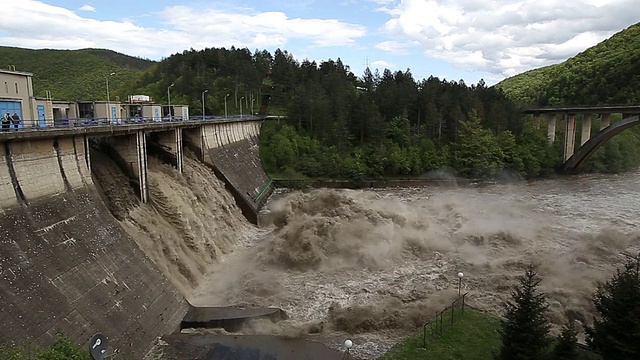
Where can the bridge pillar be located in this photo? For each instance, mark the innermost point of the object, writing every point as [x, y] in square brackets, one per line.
[171, 143]
[551, 128]
[586, 129]
[132, 153]
[605, 121]
[569, 135]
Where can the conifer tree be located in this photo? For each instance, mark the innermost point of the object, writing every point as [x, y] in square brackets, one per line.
[525, 330]
[566, 348]
[616, 333]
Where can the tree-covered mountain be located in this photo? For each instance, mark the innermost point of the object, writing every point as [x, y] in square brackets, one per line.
[340, 125]
[607, 73]
[73, 74]
[377, 124]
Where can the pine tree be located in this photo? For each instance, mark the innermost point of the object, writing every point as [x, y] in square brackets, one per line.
[616, 334]
[566, 348]
[525, 330]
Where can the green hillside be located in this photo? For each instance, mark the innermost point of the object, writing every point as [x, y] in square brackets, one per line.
[74, 74]
[607, 73]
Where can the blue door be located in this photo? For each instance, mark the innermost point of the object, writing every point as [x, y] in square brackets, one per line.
[42, 120]
[12, 107]
[114, 115]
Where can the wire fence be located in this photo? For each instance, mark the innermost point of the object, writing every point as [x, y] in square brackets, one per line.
[449, 315]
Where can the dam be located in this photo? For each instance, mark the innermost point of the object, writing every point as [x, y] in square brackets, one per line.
[70, 263]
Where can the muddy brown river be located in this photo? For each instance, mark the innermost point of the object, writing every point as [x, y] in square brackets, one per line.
[374, 265]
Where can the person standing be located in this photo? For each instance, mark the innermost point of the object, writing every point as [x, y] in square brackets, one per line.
[6, 122]
[15, 119]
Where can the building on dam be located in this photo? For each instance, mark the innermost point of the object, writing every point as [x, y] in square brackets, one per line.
[17, 97]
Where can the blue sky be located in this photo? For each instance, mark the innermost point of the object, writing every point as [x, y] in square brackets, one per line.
[452, 39]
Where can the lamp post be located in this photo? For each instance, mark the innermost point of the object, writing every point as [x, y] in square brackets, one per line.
[347, 344]
[252, 100]
[241, 106]
[169, 100]
[204, 92]
[106, 80]
[460, 276]
[225, 105]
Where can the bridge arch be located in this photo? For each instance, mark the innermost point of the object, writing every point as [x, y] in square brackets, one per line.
[585, 151]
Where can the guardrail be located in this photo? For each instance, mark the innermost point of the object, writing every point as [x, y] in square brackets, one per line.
[43, 124]
[437, 322]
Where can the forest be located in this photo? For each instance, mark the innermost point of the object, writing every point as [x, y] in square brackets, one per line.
[377, 125]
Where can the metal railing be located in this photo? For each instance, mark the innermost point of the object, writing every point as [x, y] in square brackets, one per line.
[437, 322]
[44, 124]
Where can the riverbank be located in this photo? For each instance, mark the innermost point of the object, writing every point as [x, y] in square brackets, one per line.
[349, 184]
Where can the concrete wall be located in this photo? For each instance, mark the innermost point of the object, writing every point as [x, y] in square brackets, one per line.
[65, 263]
[232, 149]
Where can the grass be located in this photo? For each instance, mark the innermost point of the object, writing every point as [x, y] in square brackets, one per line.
[473, 336]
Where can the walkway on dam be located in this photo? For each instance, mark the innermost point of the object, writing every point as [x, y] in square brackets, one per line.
[103, 126]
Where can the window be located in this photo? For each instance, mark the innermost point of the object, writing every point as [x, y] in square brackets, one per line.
[16, 88]
[6, 87]
[85, 110]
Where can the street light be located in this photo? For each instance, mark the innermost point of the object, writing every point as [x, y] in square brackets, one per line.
[347, 344]
[204, 92]
[241, 106]
[169, 100]
[225, 105]
[460, 276]
[106, 79]
[252, 100]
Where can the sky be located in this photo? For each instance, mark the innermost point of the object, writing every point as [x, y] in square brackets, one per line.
[450, 39]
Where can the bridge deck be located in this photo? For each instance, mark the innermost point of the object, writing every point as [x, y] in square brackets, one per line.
[607, 109]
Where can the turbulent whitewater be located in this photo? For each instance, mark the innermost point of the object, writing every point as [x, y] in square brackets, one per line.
[375, 265]
[378, 264]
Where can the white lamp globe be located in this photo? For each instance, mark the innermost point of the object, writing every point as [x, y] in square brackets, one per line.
[460, 275]
[348, 344]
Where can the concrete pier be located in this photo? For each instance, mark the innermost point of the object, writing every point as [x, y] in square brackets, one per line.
[569, 136]
[605, 121]
[551, 127]
[586, 128]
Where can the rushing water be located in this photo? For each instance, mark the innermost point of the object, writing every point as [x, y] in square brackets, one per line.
[373, 265]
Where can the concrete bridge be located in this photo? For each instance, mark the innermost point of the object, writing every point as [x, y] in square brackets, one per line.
[66, 264]
[613, 120]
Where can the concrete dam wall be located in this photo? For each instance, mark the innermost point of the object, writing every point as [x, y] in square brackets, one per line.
[232, 149]
[66, 265]
[82, 252]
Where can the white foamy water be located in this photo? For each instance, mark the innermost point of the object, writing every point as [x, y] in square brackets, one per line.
[379, 263]
[374, 265]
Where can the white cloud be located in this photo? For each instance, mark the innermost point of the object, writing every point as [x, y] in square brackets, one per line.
[381, 64]
[57, 27]
[397, 47]
[504, 37]
[87, 8]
